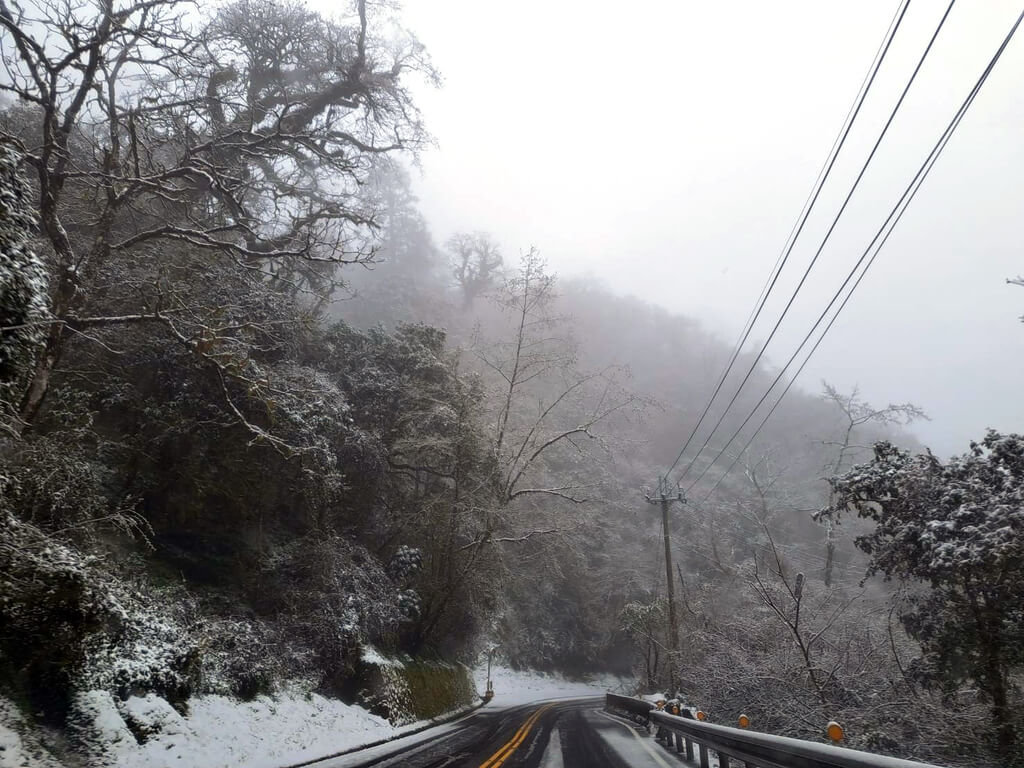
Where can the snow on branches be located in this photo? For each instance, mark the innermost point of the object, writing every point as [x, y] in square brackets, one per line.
[954, 532]
[22, 283]
[940, 521]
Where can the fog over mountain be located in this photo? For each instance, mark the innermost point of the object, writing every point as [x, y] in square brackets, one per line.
[667, 148]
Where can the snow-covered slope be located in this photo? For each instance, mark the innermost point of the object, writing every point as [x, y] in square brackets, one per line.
[268, 732]
[513, 687]
[19, 744]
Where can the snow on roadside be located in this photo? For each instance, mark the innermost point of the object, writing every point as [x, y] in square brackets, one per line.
[268, 732]
[513, 687]
[220, 732]
[19, 747]
[293, 727]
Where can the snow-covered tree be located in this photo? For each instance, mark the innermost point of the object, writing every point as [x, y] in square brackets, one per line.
[954, 532]
[240, 137]
[22, 283]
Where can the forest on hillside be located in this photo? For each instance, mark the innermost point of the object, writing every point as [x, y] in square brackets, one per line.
[256, 419]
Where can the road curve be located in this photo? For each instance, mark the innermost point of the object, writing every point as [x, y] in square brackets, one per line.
[567, 733]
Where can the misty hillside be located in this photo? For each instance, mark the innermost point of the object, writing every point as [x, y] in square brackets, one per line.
[265, 438]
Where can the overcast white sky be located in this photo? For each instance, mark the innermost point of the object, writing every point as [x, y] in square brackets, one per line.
[666, 148]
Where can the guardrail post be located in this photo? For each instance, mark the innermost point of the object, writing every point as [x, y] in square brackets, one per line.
[679, 742]
[703, 756]
[723, 760]
[689, 750]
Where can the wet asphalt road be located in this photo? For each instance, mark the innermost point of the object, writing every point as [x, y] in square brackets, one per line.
[562, 734]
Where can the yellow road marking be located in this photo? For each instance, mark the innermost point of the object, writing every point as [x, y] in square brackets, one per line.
[508, 748]
[499, 757]
[643, 742]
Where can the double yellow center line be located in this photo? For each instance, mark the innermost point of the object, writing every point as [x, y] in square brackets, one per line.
[499, 757]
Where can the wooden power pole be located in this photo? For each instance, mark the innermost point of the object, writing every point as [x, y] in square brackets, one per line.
[665, 499]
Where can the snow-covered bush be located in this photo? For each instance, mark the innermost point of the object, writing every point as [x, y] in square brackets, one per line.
[46, 590]
[60, 482]
[141, 649]
[100, 633]
[333, 596]
[246, 657]
[21, 744]
[150, 715]
[96, 730]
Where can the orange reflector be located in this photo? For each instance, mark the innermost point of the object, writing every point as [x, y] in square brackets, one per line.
[744, 721]
[834, 731]
[701, 714]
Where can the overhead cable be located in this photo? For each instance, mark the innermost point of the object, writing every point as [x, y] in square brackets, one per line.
[824, 242]
[887, 228]
[798, 226]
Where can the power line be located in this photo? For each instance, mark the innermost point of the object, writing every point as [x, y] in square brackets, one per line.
[824, 242]
[798, 226]
[897, 212]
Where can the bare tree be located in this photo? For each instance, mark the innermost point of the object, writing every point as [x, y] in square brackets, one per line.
[244, 137]
[788, 604]
[476, 263]
[856, 413]
[544, 403]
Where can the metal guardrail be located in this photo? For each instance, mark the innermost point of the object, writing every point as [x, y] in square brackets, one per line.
[637, 709]
[736, 746]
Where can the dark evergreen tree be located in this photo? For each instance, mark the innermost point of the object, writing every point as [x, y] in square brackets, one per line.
[955, 531]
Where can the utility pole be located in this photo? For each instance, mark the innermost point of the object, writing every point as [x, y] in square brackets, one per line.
[665, 499]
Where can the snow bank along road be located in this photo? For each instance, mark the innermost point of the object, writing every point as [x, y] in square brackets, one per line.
[564, 733]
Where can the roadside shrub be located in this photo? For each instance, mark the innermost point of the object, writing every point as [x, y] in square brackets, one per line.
[333, 596]
[245, 657]
[100, 634]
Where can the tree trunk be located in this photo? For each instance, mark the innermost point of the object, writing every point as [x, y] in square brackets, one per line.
[40, 383]
[991, 677]
[60, 302]
[995, 685]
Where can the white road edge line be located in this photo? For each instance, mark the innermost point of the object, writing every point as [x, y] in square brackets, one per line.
[643, 742]
[552, 757]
